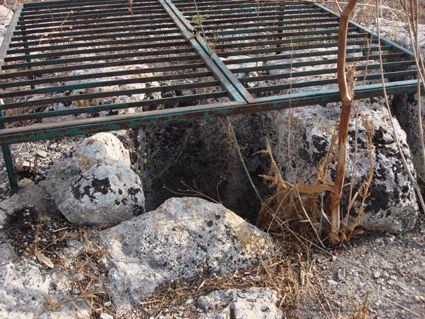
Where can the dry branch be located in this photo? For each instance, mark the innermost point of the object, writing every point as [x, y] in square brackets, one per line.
[347, 103]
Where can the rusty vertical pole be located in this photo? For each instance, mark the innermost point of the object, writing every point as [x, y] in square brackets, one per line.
[232, 311]
[7, 156]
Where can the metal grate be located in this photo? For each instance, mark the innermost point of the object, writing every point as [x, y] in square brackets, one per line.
[74, 67]
[83, 66]
[280, 50]
[92, 60]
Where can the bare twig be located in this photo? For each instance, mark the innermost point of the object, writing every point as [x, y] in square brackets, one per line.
[347, 101]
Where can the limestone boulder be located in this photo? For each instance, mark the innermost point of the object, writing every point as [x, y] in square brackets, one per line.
[392, 204]
[259, 303]
[93, 183]
[26, 292]
[398, 32]
[180, 239]
[5, 17]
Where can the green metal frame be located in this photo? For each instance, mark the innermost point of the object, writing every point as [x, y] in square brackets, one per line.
[89, 34]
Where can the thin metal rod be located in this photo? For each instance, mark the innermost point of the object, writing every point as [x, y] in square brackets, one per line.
[7, 157]
[232, 311]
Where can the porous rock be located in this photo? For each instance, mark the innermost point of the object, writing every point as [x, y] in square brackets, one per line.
[398, 33]
[392, 204]
[25, 288]
[405, 107]
[5, 17]
[29, 194]
[258, 303]
[180, 239]
[93, 183]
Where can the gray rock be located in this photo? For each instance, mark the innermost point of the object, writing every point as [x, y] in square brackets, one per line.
[7, 253]
[180, 239]
[22, 290]
[26, 291]
[29, 194]
[3, 217]
[391, 205]
[255, 303]
[93, 183]
[5, 17]
[398, 33]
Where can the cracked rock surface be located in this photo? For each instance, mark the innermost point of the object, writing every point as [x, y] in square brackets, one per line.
[183, 237]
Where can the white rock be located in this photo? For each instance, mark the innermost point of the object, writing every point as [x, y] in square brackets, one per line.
[93, 183]
[29, 194]
[178, 240]
[391, 205]
[22, 290]
[97, 147]
[5, 17]
[398, 33]
[258, 303]
[3, 217]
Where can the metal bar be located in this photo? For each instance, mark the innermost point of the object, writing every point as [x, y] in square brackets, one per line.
[224, 82]
[7, 155]
[84, 24]
[291, 48]
[9, 33]
[80, 86]
[96, 44]
[89, 37]
[58, 79]
[270, 17]
[118, 56]
[89, 96]
[314, 72]
[52, 11]
[90, 66]
[373, 35]
[300, 55]
[104, 50]
[274, 29]
[286, 34]
[314, 63]
[200, 43]
[69, 3]
[70, 16]
[113, 107]
[322, 82]
[62, 32]
[99, 65]
[119, 122]
[8, 160]
[281, 41]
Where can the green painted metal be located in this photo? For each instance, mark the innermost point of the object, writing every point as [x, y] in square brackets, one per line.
[106, 68]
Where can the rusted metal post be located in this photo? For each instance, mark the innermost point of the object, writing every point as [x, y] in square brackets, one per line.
[232, 311]
[7, 156]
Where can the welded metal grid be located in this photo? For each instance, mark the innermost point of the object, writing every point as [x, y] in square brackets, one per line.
[283, 49]
[83, 66]
[85, 60]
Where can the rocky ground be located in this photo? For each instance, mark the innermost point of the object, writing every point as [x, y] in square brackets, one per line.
[380, 270]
